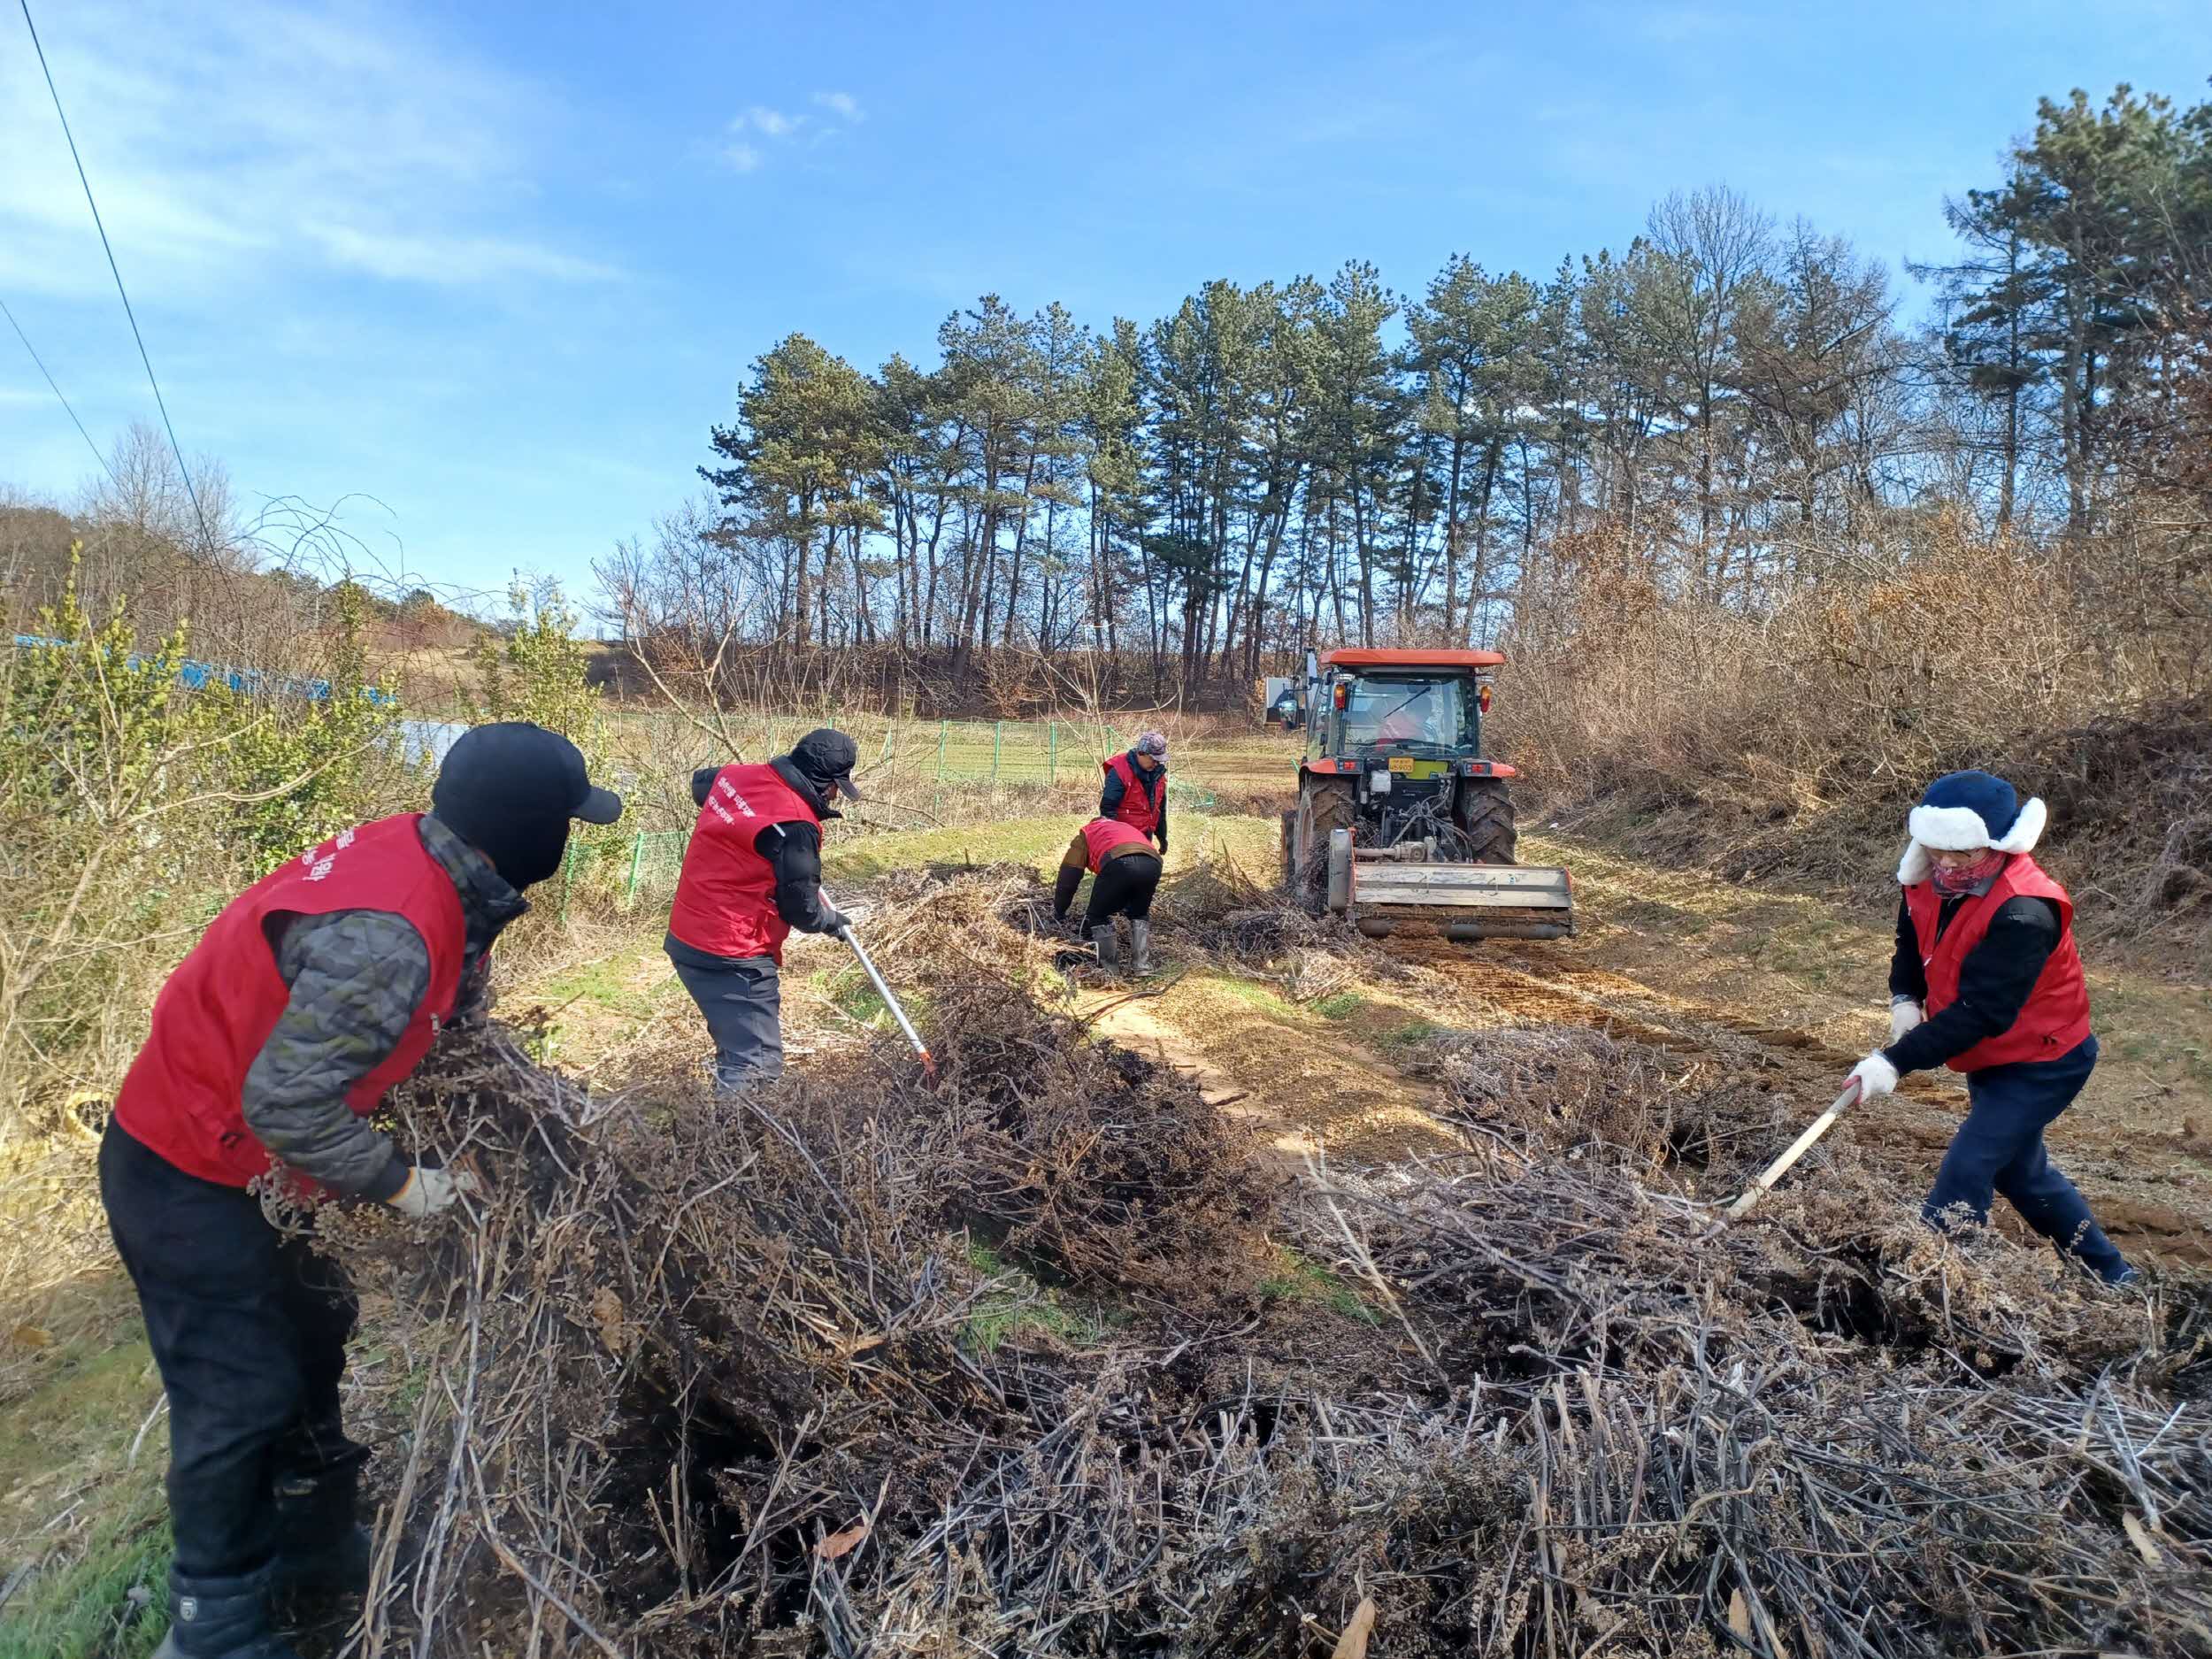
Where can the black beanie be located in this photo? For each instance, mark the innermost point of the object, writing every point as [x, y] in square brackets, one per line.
[509, 790]
[826, 755]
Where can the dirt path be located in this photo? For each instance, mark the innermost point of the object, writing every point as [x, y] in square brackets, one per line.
[1787, 989]
[1309, 1090]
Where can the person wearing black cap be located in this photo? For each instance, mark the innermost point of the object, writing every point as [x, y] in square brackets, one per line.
[316, 990]
[752, 873]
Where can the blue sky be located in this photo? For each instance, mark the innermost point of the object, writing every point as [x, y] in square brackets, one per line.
[500, 265]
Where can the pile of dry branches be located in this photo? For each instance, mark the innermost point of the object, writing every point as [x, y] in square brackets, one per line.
[855, 1366]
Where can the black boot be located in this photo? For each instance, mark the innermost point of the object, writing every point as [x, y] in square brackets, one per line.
[321, 1549]
[221, 1618]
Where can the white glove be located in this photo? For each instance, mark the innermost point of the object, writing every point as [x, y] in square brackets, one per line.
[1903, 1016]
[430, 1191]
[1875, 1076]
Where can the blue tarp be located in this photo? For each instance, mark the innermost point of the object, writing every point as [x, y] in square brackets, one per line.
[197, 676]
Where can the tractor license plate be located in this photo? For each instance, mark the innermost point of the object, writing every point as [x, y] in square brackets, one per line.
[1419, 768]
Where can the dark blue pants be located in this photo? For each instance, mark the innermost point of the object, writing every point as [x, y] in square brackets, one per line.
[1999, 1148]
[742, 1000]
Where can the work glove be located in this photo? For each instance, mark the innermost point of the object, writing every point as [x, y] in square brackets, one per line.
[1875, 1076]
[1160, 835]
[1904, 1014]
[473, 1005]
[431, 1191]
[836, 924]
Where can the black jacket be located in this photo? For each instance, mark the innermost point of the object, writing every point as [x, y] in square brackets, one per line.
[793, 851]
[1994, 980]
[356, 978]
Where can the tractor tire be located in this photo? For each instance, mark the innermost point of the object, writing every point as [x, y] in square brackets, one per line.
[1324, 804]
[1485, 818]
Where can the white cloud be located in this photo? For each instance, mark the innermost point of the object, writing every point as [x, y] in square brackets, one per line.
[226, 144]
[778, 126]
[774, 123]
[452, 261]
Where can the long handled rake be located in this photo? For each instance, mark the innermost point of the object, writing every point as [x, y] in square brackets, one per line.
[1798, 1148]
[891, 1002]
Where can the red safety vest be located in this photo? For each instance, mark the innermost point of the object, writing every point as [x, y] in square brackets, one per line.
[1102, 836]
[181, 1096]
[1139, 806]
[726, 899]
[2055, 1019]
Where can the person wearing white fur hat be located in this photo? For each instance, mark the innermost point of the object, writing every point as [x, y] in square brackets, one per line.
[1987, 981]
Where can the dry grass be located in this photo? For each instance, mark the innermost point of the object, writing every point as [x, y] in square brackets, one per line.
[1786, 739]
[739, 1379]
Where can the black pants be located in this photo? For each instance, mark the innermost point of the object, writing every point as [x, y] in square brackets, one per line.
[248, 1328]
[742, 1000]
[1123, 887]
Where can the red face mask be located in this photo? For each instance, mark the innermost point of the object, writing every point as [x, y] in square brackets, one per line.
[1966, 878]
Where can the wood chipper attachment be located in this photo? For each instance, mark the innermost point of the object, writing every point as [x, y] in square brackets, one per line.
[1385, 890]
[1403, 821]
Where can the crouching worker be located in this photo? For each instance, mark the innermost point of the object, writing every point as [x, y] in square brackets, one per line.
[1124, 872]
[1986, 981]
[314, 991]
[752, 873]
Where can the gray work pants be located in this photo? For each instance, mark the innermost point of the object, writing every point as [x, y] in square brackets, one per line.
[743, 1006]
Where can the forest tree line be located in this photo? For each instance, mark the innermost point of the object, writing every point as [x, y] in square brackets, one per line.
[1729, 408]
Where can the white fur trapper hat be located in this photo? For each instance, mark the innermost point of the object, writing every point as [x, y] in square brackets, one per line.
[1964, 811]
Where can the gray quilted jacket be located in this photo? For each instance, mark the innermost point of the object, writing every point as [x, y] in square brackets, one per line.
[357, 978]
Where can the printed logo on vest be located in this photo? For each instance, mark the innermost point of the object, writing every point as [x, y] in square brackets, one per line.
[318, 862]
[722, 786]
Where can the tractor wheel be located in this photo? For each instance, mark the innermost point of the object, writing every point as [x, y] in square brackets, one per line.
[1485, 818]
[1324, 804]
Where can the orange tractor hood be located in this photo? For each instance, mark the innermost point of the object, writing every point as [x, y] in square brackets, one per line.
[1369, 656]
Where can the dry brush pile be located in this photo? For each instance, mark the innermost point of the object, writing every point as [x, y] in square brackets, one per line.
[863, 1367]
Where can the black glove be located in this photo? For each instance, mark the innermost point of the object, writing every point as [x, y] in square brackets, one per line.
[473, 1004]
[1160, 834]
[834, 922]
[1063, 891]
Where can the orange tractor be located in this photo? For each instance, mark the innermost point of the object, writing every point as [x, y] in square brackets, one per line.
[1403, 821]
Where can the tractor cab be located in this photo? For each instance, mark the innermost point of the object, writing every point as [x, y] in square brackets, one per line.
[1401, 701]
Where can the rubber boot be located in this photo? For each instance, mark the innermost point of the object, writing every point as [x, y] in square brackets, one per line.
[221, 1618]
[1108, 948]
[1141, 949]
[321, 1549]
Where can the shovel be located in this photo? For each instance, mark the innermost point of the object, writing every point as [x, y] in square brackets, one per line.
[929, 1066]
[1798, 1148]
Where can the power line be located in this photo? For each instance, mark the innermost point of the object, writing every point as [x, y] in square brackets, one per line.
[206, 541]
[49, 373]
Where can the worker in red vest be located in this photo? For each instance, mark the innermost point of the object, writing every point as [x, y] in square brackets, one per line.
[315, 990]
[1126, 873]
[1135, 790]
[752, 873]
[1987, 981]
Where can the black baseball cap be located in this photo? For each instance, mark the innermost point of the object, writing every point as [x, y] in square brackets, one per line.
[826, 755]
[517, 767]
